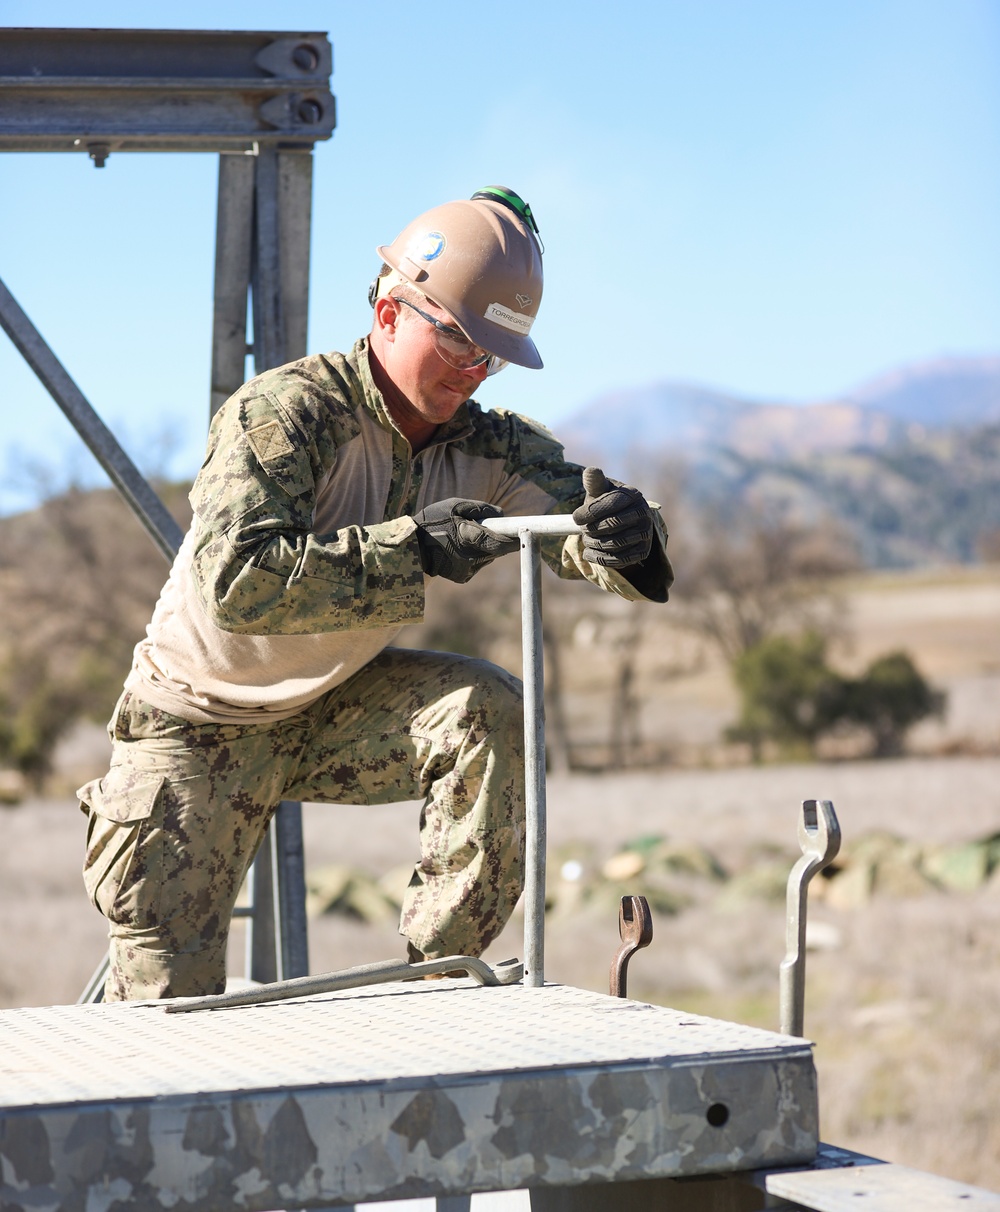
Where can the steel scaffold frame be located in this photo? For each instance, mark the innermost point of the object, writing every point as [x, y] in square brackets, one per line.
[261, 101]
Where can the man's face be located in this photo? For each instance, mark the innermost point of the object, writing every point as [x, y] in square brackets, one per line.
[410, 356]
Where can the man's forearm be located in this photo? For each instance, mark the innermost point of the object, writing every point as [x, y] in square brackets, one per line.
[258, 580]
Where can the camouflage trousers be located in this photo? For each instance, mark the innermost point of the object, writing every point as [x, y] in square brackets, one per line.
[177, 820]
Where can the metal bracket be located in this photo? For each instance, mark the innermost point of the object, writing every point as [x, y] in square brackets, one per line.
[301, 112]
[297, 55]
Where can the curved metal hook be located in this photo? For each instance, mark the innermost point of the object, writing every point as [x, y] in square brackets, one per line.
[635, 926]
[819, 840]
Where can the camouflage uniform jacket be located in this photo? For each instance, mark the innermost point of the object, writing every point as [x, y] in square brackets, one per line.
[301, 563]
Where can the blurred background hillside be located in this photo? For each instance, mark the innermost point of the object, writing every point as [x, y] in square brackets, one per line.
[908, 465]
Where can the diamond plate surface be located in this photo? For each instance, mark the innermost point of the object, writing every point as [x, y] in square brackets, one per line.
[63, 1054]
[437, 1088]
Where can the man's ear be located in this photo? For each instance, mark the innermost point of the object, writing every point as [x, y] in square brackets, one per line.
[387, 317]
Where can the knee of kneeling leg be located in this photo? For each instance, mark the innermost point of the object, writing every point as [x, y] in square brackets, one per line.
[497, 694]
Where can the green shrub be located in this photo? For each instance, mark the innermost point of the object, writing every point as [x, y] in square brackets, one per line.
[888, 699]
[789, 693]
[792, 697]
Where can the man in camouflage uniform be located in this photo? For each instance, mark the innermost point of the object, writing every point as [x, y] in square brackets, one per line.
[332, 487]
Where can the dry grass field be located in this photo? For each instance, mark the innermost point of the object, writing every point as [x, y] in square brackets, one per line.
[904, 985]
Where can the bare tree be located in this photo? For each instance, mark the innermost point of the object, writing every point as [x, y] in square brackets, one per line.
[78, 580]
[749, 573]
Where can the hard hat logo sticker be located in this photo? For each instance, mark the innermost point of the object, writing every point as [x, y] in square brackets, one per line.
[429, 246]
[523, 300]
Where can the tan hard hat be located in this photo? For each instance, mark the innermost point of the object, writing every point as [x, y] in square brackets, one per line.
[481, 261]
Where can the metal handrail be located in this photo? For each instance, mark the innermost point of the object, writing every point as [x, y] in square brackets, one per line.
[528, 529]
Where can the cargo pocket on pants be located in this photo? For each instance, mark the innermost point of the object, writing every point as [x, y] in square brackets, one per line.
[122, 870]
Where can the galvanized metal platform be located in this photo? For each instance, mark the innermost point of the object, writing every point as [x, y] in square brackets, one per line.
[436, 1088]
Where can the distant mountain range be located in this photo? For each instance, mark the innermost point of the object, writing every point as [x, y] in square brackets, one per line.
[938, 394]
[908, 463]
[682, 419]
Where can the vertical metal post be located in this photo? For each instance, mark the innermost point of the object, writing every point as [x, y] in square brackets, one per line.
[534, 760]
[277, 939]
[233, 245]
[261, 952]
[288, 882]
[263, 235]
[528, 530]
[295, 173]
[268, 326]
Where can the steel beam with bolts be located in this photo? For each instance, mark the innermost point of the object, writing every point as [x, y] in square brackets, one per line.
[102, 91]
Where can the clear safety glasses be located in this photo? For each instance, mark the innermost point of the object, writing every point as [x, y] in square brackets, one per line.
[455, 347]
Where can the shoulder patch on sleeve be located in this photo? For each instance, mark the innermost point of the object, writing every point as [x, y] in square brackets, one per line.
[269, 442]
[535, 426]
[528, 423]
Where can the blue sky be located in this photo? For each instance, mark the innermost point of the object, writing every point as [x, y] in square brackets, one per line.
[778, 198]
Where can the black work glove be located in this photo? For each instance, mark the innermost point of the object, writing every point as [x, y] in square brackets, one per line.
[453, 544]
[618, 524]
